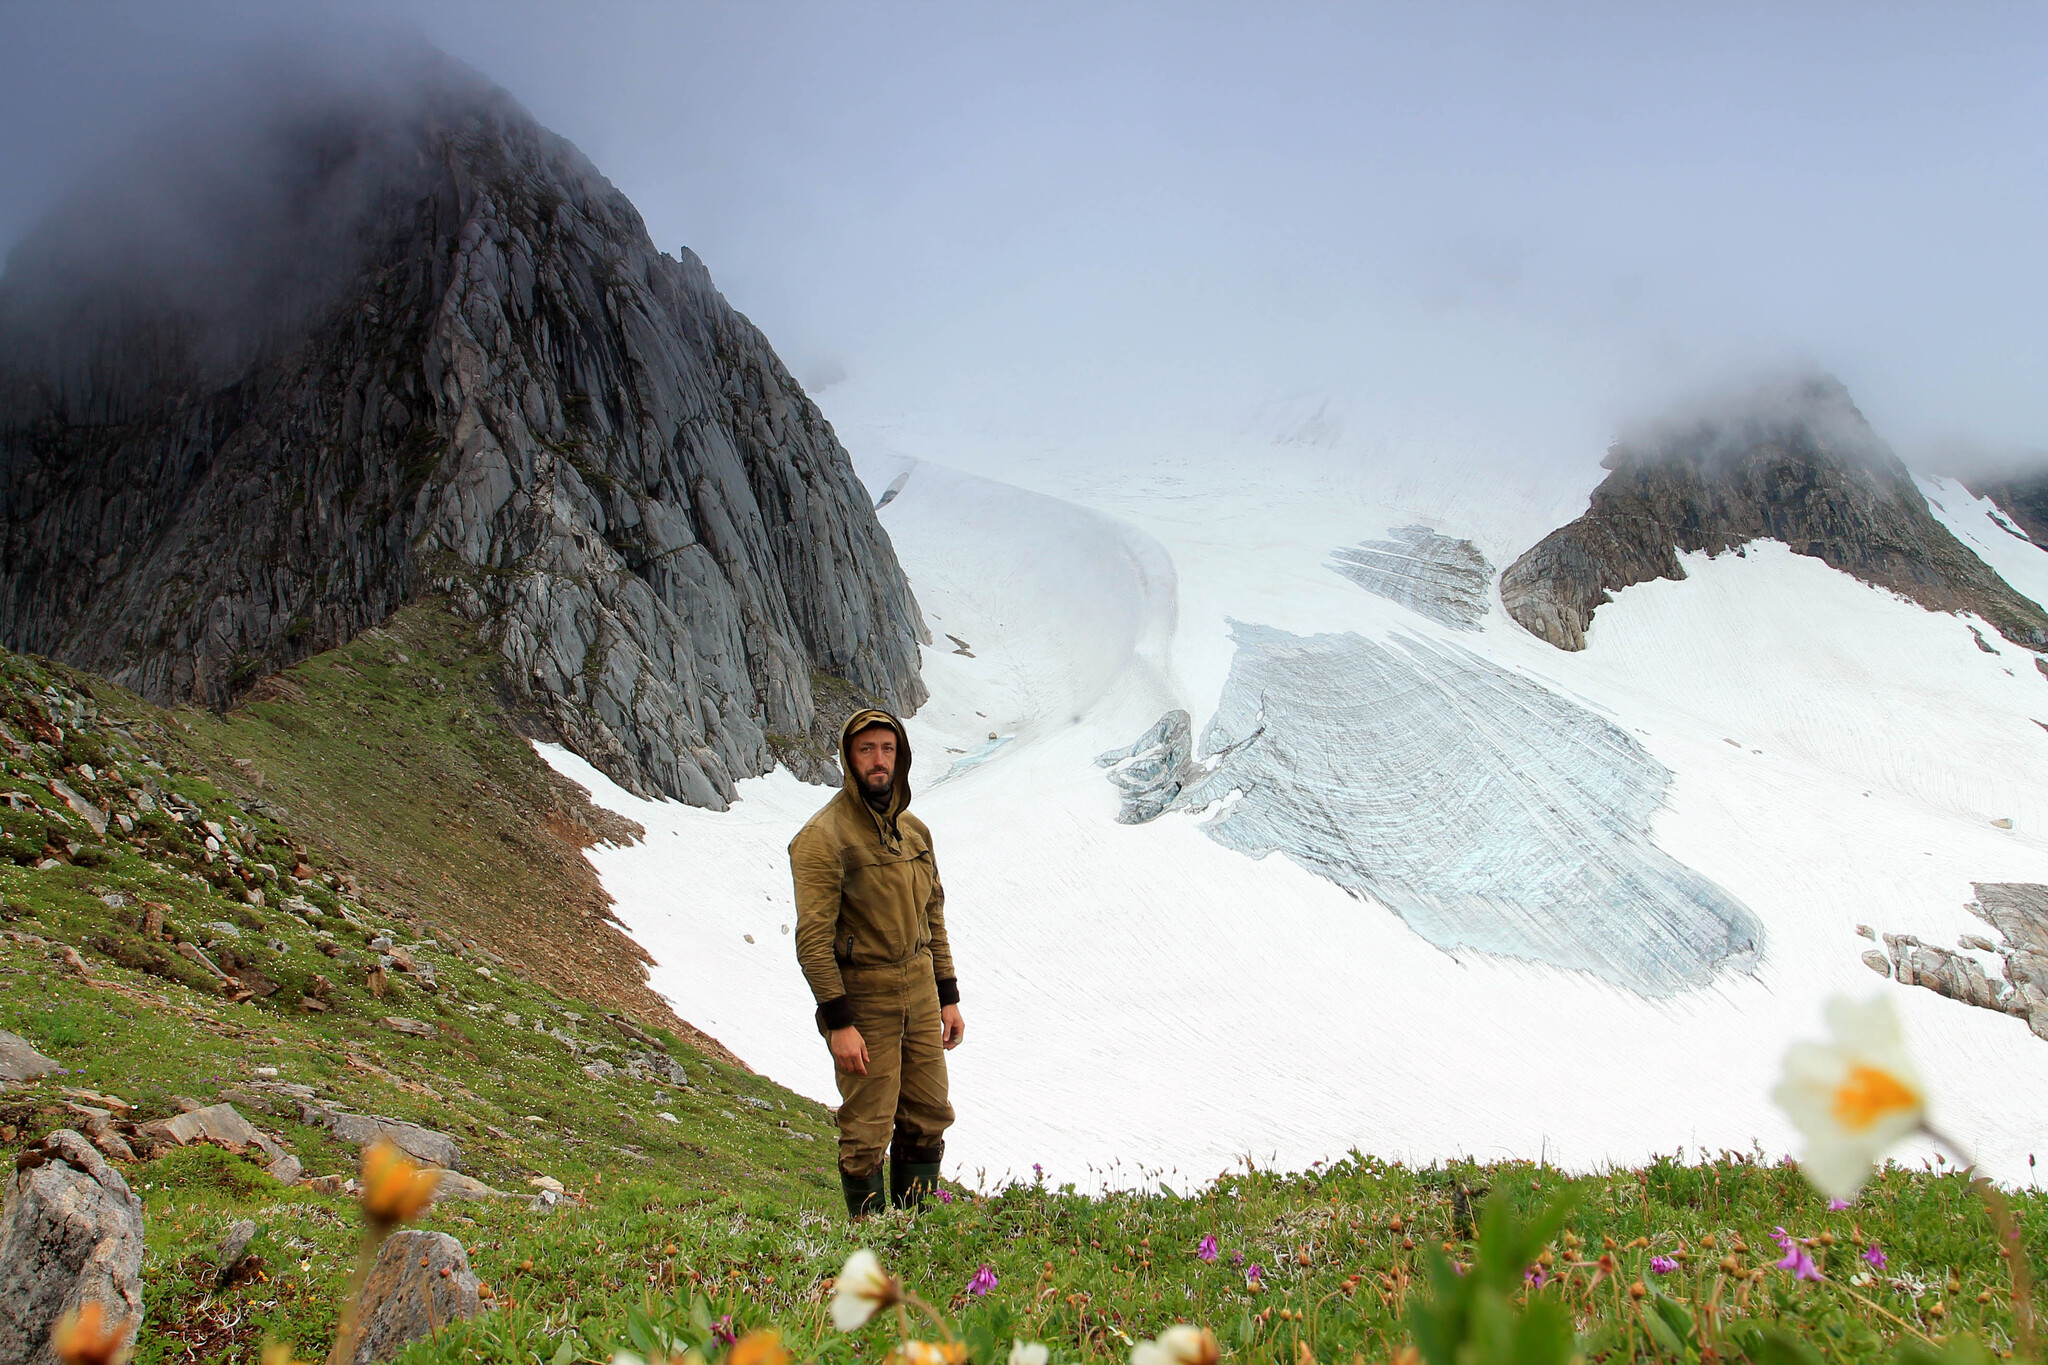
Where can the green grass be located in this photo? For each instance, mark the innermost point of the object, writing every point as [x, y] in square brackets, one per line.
[730, 1212]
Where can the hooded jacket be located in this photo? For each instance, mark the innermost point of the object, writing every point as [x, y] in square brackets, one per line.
[867, 885]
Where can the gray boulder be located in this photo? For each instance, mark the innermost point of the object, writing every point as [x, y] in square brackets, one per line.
[420, 1283]
[422, 1144]
[19, 1061]
[71, 1235]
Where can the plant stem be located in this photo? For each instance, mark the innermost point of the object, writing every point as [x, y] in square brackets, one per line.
[2009, 1244]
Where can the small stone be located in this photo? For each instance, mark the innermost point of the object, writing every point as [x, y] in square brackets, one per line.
[598, 1070]
[1877, 962]
[546, 1182]
[416, 1028]
[1866, 931]
[232, 1249]
[2002, 823]
[420, 1283]
[666, 1117]
[286, 1170]
[268, 1073]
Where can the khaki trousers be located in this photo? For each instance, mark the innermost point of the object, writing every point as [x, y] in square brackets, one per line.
[902, 1100]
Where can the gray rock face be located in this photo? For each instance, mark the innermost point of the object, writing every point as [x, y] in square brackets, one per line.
[72, 1235]
[422, 1144]
[420, 1283]
[2022, 497]
[1800, 466]
[1485, 810]
[19, 1061]
[1443, 578]
[2019, 911]
[408, 341]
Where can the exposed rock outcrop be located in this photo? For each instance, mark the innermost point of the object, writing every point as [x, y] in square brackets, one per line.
[2022, 497]
[2019, 911]
[388, 336]
[72, 1235]
[1800, 466]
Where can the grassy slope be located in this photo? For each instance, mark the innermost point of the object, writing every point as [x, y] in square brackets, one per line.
[726, 1202]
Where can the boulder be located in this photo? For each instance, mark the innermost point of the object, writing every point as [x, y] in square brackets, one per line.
[21, 1062]
[71, 1235]
[233, 1247]
[416, 1028]
[454, 1186]
[220, 1123]
[422, 1144]
[420, 1283]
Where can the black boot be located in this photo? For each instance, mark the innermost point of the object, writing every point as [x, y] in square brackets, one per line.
[863, 1193]
[911, 1181]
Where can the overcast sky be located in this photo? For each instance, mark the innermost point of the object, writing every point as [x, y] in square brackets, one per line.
[1118, 218]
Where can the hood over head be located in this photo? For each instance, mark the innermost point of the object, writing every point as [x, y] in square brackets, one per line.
[899, 794]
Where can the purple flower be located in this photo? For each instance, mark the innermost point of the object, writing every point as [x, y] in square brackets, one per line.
[1254, 1278]
[1207, 1250]
[1662, 1265]
[1237, 1258]
[983, 1281]
[1782, 1238]
[1800, 1263]
[1837, 1205]
[1875, 1255]
[723, 1330]
[945, 1196]
[1535, 1277]
[1038, 1170]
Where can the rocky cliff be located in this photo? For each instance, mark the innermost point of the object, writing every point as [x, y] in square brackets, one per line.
[2023, 497]
[385, 336]
[1799, 465]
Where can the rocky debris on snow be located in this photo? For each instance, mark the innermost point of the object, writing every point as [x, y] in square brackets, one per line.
[528, 407]
[19, 1061]
[2022, 497]
[1442, 577]
[420, 1283]
[2019, 911]
[1487, 811]
[1798, 464]
[360, 1130]
[72, 1235]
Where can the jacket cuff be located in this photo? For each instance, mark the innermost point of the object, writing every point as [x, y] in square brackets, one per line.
[836, 1013]
[949, 991]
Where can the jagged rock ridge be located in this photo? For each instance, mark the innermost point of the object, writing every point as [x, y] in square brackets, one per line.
[400, 339]
[1802, 467]
[2022, 497]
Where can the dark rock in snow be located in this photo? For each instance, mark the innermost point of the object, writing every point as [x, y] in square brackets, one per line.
[2022, 497]
[1801, 466]
[379, 337]
[72, 1235]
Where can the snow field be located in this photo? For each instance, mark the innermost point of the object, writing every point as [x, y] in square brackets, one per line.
[1142, 999]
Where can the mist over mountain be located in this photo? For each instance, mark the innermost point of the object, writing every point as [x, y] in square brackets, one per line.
[365, 331]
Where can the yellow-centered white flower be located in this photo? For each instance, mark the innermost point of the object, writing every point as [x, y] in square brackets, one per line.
[1852, 1097]
[862, 1288]
[1179, 1344]
[1028, 1352]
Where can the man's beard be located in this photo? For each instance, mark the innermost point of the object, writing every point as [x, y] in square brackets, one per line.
[877, 797]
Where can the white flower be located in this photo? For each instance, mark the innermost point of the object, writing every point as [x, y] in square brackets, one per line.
[1853, 1097]
[1028, 1352]
[1179, 1344]
[863, 1286]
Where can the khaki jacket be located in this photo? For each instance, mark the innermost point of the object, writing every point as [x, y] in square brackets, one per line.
[867, 885]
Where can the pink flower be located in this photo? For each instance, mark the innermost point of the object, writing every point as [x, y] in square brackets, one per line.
[983, 1281]
[1662, 1265]
[1800, 1263]
[1875, 1255]
[945, 1195]
[1837, 1205]
[1254, 1277]
[723, 1330]
[1782, 1238]
[1535, 1277]
[1207, 1249]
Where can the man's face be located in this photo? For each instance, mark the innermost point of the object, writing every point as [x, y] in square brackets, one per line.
[874, 759]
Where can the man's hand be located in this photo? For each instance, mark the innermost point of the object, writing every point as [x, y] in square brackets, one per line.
[850, 1050]
[951, 1027]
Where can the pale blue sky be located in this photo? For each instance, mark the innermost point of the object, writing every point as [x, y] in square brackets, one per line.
[1120, 216]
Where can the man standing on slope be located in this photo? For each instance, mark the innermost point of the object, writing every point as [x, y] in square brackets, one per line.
[871, 938]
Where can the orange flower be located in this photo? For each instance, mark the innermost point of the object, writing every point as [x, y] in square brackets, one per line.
[758, 1348]
[395, 1188]
[84, 1336]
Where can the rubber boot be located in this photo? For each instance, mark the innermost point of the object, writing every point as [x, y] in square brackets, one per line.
[911, 1181]
[863, 1193]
